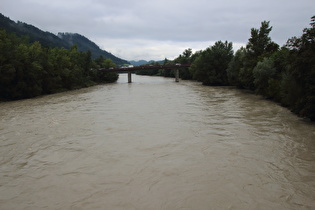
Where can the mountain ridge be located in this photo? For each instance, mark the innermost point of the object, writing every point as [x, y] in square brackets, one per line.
[48, 39]
[143, 62]
[85, 44]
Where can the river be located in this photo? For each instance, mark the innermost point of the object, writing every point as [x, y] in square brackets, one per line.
[155, 144]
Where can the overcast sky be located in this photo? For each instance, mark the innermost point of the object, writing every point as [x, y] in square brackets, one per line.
[158, 29]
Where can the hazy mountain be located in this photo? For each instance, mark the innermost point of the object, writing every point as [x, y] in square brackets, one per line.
[138, 63]
[143, 62]
[48, 39]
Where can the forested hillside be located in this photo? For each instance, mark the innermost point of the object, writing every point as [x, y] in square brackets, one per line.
[84, 44]
[47, 39]
[34, 34]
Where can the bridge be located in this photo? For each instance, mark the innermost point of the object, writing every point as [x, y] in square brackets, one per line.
[149, 67]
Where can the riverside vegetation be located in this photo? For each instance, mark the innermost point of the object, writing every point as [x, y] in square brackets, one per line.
[29, 69]
[283, 74]
[33, 62]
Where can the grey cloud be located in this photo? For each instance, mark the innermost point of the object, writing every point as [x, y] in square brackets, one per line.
[155, 22]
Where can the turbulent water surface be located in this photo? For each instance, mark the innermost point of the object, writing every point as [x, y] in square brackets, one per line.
[154, 144]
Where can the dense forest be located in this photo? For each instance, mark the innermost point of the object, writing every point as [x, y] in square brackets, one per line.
[283, 74]
[29, 69]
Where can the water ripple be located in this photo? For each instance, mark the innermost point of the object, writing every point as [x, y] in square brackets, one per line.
[154, 144]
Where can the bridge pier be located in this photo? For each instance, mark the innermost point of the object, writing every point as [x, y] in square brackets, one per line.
[129, 76]
[177, 75]
[129, 70]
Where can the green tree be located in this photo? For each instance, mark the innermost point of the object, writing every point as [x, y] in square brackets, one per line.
[259, 41]
[200, 66]
[185, 58]
[302, 72]
[102, 76]
[235, 66]
[8, 44]
[211, 66]
[263, 75]
[166, 72]
[52, 81]
[33, 70]
[28, 70]
[259, 46]
[281, 63]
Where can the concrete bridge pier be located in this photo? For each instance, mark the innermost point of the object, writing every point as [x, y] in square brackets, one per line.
[177, 75]
[129, 76]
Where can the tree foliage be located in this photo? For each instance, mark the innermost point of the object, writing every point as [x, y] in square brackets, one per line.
[210, 67]
[301, 73]
[259, 46]
[263, 75]
[29, 69]
[235, 66]
[185, 58]
[285, 75]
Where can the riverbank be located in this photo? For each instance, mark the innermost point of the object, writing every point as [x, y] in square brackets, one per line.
[171, 75]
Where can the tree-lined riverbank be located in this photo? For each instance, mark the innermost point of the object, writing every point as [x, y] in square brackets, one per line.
[29, 69]
[285, 75]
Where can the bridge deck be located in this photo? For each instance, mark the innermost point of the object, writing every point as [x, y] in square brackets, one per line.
[135, 68]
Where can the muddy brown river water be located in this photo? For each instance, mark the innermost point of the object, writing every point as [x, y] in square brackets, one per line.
[155, 144]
